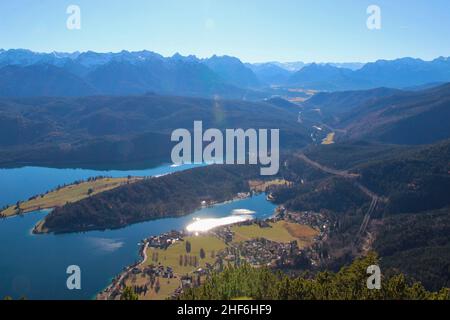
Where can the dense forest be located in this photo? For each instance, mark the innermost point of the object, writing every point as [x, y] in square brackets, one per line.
[347, 155]
[410, 223]
[418, 244]
[167, 196]
[350, 283]
[117, 130]
[414, 180]
[384, 115]
[335, 195]
[409, 118]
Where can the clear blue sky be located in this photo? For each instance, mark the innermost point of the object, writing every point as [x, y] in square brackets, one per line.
[253, 30]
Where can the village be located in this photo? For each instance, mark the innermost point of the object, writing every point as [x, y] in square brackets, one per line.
[177, 260]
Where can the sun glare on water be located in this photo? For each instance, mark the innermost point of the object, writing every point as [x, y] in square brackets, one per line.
[244, 212]
[204, 225]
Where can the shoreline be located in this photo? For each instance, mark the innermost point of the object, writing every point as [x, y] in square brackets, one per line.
[240, 196]
[124, 181]
[73, 192]
[106, 293]
[254, 188]
[80, 183]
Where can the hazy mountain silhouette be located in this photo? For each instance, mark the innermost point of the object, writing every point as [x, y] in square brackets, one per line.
[400, 73]
[139, 72]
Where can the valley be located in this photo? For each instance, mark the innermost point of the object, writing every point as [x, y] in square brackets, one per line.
[119, 131]
[363, 171]
[219, 158]
[329, 138]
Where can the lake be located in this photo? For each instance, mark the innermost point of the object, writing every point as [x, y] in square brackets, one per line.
[22, 183]
[35, 266]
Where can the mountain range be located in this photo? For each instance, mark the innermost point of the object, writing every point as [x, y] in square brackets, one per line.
[400, 73]
[384, 115]
[112, 130]
[386, 171]
[24, 73]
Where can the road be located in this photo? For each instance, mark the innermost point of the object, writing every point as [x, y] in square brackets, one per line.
[144, 254]
[366, 220]
[106, 294]
[341, 173]
[345, 174]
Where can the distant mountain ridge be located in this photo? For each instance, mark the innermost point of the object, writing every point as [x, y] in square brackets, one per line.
[42, 79]
[125, 73]
[385, 115]
[338, 103]
[405, 118]
[140, 72]
[399, 73]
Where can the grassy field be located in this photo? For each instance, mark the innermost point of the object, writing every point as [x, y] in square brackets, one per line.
[280, 231]
[171, 256]
[329, 139]
[71, 193]
[167, 287]
[261, 186]
[304, 234]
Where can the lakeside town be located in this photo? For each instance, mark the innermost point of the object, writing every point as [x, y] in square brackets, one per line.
[177, 260]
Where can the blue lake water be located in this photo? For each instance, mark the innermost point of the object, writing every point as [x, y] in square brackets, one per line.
[35, 266]
[22, 183]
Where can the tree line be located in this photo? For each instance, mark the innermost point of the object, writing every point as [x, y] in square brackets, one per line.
[350, 283]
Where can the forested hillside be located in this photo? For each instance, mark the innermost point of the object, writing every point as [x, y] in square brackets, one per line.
[405, 118]
[413, 181]
[409, 225]
[117, 130]
[418, 245]
[350, 283]
[168, 196]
